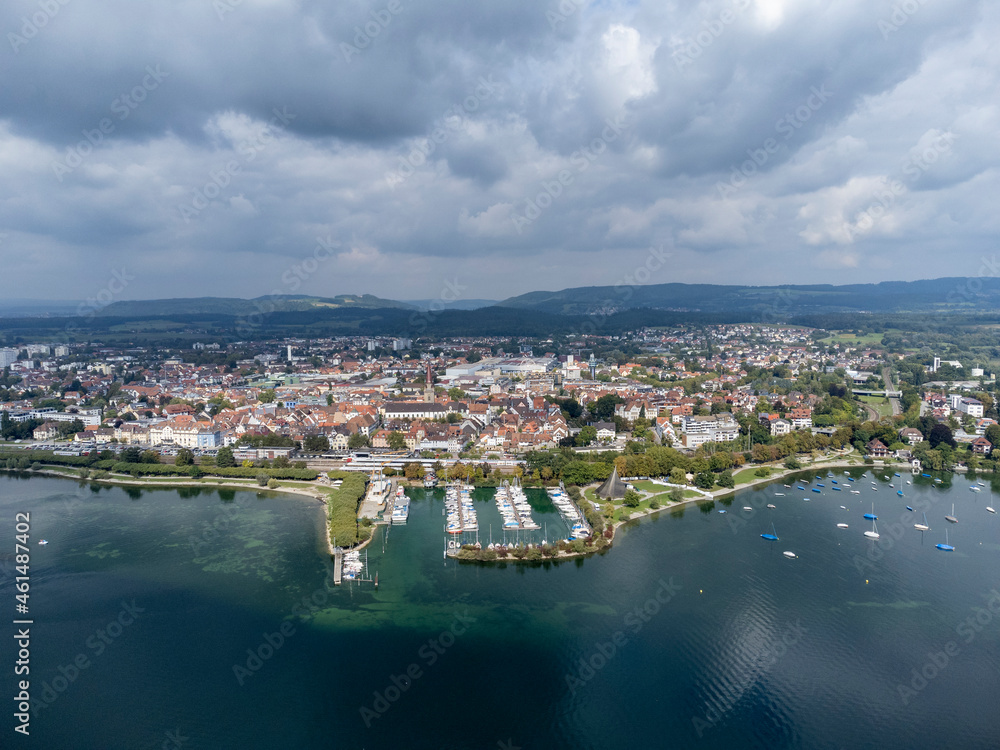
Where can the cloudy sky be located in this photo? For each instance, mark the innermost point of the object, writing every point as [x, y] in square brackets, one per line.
[409, 148]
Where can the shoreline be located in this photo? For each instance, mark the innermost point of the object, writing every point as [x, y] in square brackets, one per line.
[315, 493]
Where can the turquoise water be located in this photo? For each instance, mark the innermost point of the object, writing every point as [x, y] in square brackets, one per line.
[691, 632]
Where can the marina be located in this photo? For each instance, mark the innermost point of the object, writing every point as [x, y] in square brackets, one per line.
[570, 512]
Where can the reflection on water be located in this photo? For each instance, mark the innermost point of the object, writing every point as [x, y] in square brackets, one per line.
[754, 650]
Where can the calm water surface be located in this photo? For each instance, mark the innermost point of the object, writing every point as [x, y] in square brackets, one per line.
[692, 632]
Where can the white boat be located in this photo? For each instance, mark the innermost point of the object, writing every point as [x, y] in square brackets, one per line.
[855, 492]
[46, 541]
[988, 508]
[841, 525]
[951, 518]
[779, 494]
[747, 508]
[771, 506]
[789, 555]
[922, 526]
[873, 534]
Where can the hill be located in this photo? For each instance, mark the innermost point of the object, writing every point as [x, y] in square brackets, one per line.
[932, 295]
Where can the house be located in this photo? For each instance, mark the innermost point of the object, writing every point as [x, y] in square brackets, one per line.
[971, 406]
[801, 418]
[780, 427]
[910, 436]
[46, 431]
[877, 449]
[715, 428]
[605, 430]
[982, 446]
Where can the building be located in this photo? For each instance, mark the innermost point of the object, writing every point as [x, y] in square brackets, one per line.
[910, 436]
[877, 449]
[715, 428]
[46, 431]
[780, 427]
[605, 430]
[982, 446]
[406, 410]
[800, 418]
[8, 357]
[971, 406]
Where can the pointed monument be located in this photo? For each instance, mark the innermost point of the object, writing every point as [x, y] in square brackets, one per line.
[613, 488]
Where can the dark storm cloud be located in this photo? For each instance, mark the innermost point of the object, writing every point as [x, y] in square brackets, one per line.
[519, 144]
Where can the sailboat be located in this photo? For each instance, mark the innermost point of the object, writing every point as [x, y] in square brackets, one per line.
[772, 537]
[951, 518]
[922, 526]
[873, 534]
[871, 516]
[945, 547]
[990, 509]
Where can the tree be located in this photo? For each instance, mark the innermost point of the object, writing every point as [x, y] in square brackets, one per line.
[357, 440]
[131, 455]
[704, 480]
[586, 436]
[397, 441]
[993, 434]
[281, 462]
[678, 475]
[631, 499]
[267, 396]
[316, 444]
[184, 458]
[603, 409]
[941, 433]
[456, 394]
[676, 494]
[413, 470]
[224, 458]
[149, 457]
[726, 479]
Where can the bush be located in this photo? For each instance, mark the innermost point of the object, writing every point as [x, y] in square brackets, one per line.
[653, 505]
[263, 479]
[272, 484]
[763, 471]
[534, 554]
[342, 507]
[676, 494]
[793, 463]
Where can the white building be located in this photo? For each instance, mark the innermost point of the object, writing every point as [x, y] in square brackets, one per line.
[8, 357]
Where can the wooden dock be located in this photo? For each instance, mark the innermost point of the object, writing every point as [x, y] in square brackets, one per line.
[338, 566]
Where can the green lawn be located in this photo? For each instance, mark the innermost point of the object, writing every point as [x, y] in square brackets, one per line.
[881, 405]
[748, 475]
[853, 339]
[647, 486]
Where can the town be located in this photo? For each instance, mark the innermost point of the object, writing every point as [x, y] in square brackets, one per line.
[707, 406]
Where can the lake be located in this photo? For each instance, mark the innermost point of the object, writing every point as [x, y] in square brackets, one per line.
[208, 619]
